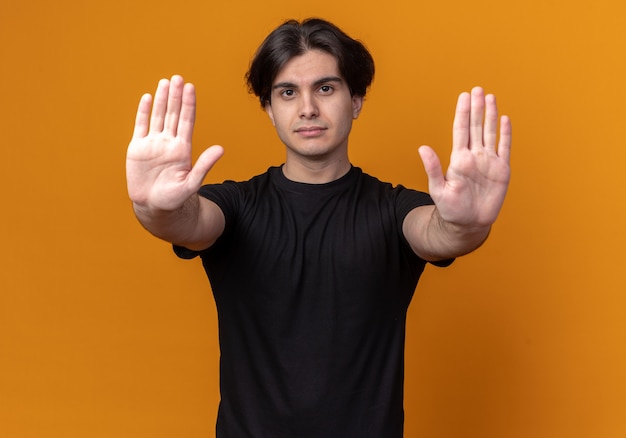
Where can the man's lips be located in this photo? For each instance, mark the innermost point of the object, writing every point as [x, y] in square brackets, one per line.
[310, 131]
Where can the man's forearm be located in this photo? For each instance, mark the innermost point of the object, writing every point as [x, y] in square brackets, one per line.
[432, 238]
[176, 226]
[448, 240]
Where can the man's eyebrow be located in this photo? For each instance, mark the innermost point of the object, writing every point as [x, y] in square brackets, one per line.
[320, 81]
[328, 79]
[284, 85]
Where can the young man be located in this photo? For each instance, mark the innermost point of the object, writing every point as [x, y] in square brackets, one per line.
[313, 264]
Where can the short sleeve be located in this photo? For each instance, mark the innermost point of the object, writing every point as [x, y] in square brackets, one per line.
[226, 196]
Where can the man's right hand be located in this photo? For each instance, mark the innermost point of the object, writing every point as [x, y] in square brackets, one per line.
[159, 172]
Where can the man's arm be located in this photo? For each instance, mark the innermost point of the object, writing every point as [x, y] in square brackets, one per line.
[162, 183]
[470, 195]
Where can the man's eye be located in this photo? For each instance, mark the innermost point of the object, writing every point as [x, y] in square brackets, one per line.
[287, 93]
[326, 88]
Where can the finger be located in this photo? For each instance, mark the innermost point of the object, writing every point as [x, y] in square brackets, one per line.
[174, 102]
[504, 146]
[187, 113]
[160, 106]
[205, 162]
[432, 167]
[142, 119]
[460, 128]
[477, 111]
[491, 123]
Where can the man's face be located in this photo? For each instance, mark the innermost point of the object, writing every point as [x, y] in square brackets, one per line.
[311, 107]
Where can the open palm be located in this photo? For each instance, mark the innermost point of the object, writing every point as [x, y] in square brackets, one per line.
[472, 191]
[159, 167]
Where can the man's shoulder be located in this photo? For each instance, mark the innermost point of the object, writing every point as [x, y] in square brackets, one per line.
[232, 184]
[383, 185]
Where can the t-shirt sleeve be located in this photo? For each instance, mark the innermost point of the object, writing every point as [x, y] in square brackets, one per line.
[226, 196]
[409, 199]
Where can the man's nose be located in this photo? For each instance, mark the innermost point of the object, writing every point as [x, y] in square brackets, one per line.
[308, 106]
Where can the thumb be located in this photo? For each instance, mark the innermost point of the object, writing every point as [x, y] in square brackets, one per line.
[432, 167]
[205, 162]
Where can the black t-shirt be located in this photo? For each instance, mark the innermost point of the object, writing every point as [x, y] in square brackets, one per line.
[312, 283]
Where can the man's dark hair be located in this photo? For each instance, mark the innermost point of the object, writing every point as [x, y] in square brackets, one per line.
[292, 39]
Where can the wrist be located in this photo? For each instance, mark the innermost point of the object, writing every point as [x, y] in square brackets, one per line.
[461, 238]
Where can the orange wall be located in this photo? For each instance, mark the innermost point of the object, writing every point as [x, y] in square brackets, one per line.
[104, 333]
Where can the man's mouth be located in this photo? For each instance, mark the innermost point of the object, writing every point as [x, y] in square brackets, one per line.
[310, 131]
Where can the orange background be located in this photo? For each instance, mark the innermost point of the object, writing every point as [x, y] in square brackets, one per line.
[105, 333]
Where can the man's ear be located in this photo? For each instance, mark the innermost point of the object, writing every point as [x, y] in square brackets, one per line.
[270, 113]
[357, 105]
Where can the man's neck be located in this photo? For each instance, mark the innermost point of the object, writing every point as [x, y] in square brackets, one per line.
[315, 172]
